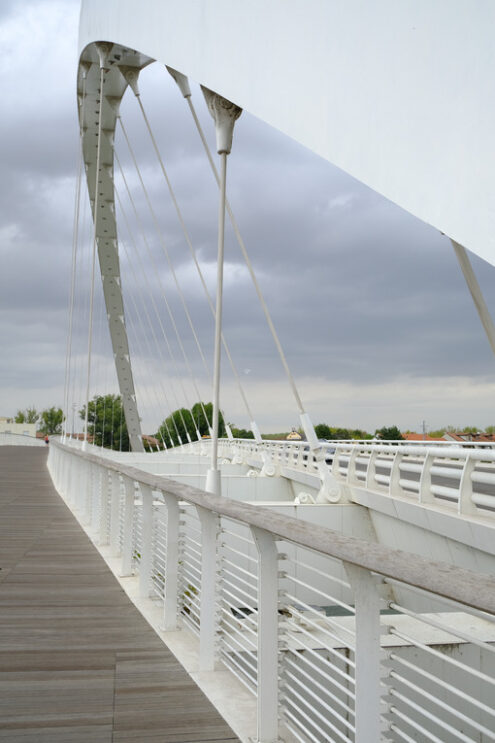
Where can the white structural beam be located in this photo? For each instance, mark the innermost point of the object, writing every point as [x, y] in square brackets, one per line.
[397, 93]
[103, 208]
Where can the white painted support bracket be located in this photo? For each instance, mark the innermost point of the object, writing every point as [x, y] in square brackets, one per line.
[267, 698]
[367, 654]
[210, 527]
[129, 490]
[170, 603]
[146, 541]
[114, 513]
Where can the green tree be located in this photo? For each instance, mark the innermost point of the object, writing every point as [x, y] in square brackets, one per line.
[389, 433]
[470, 429]
[241, 433]
[437, 434]
[51, 421]
[30, 415]
[106, 422]
[181, 421]
[490, 429]
[323, 431]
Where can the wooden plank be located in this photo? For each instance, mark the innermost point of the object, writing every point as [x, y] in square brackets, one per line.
[78, 662]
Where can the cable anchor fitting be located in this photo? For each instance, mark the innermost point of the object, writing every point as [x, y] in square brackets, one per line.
[181, 81]
[225, 114]
[103, 48]
[131, 76]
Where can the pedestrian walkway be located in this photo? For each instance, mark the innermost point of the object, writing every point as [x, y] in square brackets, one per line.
[78, 662]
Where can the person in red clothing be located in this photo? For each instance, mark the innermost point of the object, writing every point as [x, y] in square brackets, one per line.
[46, 439]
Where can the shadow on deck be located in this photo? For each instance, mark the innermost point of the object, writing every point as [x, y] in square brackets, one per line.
[78, 662]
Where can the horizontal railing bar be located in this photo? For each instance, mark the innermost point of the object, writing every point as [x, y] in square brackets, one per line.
[445, 627]
[227, 610]
[240, 592]
[320, 686]
[332, 651]
[294, 729]
[252, 646]
[488, 616]
[320, 701]
[439, 578]
[327, 576]
[429, 716]
[444, 684]
[427, 733]
[301, 583]
[330, 621]
[245, 556]
[428, 649]
[249, 682]
[311, 721]
[447, 707]
[251, 576]
[328, 678]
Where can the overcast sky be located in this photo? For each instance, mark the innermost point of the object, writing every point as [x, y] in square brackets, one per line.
[372, 310]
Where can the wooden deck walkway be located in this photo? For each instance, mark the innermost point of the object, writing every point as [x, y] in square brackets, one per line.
[77, 660]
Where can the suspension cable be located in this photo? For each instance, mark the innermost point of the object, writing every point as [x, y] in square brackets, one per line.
[164, 296]
[247, 260]
[138, 343]
[157, 345]
[195, 259]
[143, 235]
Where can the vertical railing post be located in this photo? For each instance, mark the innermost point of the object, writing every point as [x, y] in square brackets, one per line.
[170, 601]
[129, 490]
[351, 477]
[87, 482]
[95, 499]
[465, 504]
[425, 494]
[103, 481]
[114, 512]
[210, 526]
[66, 465]
[267, 699]
[394, 487]
[145, 564]
[367, 653]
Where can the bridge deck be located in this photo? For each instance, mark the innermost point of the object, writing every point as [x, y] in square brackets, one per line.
[77, 660]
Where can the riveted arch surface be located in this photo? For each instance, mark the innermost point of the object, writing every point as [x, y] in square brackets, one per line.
[103, 207]
[398, 94]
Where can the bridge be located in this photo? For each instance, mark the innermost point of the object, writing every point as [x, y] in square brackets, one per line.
[313, 591]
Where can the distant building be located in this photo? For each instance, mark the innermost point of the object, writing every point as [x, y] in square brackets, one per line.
[7, 425]
[421, 437]
[294, 436]
[464, 437]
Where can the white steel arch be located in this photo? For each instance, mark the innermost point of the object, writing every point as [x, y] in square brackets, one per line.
[398, 94]
[91, 109]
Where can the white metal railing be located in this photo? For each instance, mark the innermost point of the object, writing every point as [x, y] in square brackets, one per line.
[452, 476]
[459, 478]
[19, 439]
[340, 639]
